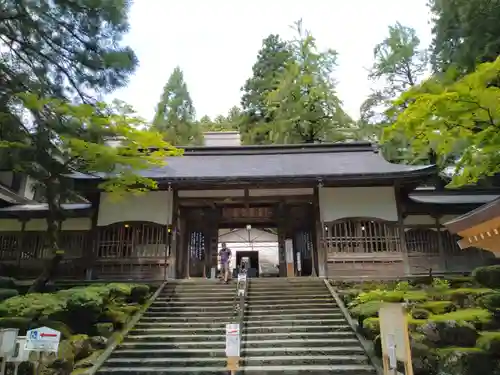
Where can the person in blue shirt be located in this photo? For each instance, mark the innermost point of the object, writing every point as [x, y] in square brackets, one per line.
[225, 259]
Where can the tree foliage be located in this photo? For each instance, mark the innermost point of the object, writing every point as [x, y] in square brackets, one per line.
[175, 113]
[231, 122]
[65, 138]
[466, 33]
[304, 106]
[271, 61]
[399, 64]
[455, 117]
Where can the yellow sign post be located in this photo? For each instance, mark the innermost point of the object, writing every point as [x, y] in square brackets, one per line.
[395, 338]
[233, 364]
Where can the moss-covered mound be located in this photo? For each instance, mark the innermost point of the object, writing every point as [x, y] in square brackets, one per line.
[454, 323]
[85, 316]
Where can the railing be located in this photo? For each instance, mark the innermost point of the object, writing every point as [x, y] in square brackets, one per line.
[239, 306]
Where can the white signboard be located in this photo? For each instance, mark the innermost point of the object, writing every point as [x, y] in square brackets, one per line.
[299, 262]
[242, 277]
[289, 251]
[232, 340]
[43, 339]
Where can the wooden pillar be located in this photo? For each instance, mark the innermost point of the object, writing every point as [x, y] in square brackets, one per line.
[319, 260]
[440, 244]
[401, 229]
[91, 255]
[171, 267]
[20, 244]
[282, 232]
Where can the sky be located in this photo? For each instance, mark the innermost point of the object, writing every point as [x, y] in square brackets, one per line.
[216, 43]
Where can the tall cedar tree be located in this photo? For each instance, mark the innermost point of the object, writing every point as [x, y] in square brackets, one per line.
[304, 106]
[175, 114]
[271, 63]
[466, 33]
[68, 50]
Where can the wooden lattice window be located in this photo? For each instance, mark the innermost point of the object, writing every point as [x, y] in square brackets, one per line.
[422, 240]
[361, 236]
[9, 244]
[131, 240]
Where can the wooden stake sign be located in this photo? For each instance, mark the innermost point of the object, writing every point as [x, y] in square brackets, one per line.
[395, 338]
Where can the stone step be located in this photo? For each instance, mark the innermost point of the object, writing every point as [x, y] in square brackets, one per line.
[292, 291]
[186, 318]
[247, 370]
[291, 306]
[324, 309]
[198, 293]
[287, 299]
[197, 302]
[263, 337]
[155, 330]
[246, 343]
[168, 309]
[261, 351]
[267, 321]
[180, 312]
[245, 361]
[181, 325]
[294, 315]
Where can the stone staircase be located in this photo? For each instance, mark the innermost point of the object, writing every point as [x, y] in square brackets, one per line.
[183, 332]
[293, 326]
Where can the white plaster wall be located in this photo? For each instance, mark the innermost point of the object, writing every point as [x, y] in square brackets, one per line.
[375, 202]
[241, 235]
[8, 225]
[419, 220]
[280, 192]
[447, 218]
[77, 223]
[36, 225]
[6, 178]
[211, 193]
[222, 139]
[153, 206]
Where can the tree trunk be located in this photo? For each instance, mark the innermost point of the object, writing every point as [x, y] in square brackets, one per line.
[51, 241]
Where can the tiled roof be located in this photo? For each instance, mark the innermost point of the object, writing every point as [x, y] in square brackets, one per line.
[336, 161]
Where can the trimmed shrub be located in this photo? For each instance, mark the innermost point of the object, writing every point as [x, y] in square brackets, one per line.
[7, 283]
[461, 282]
[139, 293]
[488, 276]
[25, 324]
[449, 333]
[417, 313]
[371, 328]
[491, 302]
[475, 316]
[7, 293]
[416, 296]
[366, 310]
[466, 297]
[438, 307]
[348, 295]
[424, 360]
[490, 342]
[465, 361]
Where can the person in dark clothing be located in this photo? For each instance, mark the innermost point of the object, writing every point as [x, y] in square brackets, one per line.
[225, 259]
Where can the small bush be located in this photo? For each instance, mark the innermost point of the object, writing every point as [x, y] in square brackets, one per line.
[7, 293]
[7, 283]
[466, 297]
[371, 328]
[488, 276]
[139, 293]
[491, 302]
[440, 284]
[467, 315]
[379, 295]
[416, 296]
[366, 310]
[348, 295]
[438, 307]
[490, 342]
[417, 313]
[465, 361]
[403, 286]
[461, 282]
[449, 333]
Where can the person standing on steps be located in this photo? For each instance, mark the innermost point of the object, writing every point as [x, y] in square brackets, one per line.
[225, 260]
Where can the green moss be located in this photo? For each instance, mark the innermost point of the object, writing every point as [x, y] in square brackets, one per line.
[490, 342]
[454, 349]
[24, 324]
[87, 362]
[8, 293]
[438, 307]
[418, 313]
[371, 328]
[466, 315]
[367, 309]
[476, 292]
[416, 296]
[104, 329]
